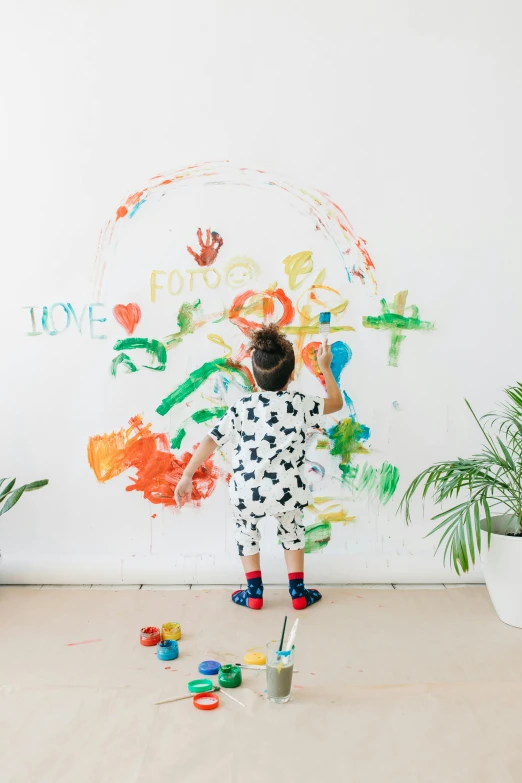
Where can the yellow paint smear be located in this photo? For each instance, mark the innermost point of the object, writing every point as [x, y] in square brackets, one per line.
[336, 516]
[218, 340]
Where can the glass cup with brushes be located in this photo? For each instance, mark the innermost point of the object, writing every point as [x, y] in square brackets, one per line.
[280, 666]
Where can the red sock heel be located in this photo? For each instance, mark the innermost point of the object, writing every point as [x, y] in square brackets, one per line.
[252, 597]
[300, 595]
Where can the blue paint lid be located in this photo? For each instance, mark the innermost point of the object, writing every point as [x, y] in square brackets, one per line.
[209, 667]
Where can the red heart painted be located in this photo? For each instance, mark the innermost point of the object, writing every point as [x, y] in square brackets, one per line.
[128, 316]
[309, 354]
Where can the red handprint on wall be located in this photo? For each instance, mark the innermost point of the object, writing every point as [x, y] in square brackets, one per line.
[209, 249]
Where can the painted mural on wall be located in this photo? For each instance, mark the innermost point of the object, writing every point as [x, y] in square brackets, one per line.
[191, 264]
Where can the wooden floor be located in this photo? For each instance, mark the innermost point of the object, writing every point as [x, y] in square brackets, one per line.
[404, 685]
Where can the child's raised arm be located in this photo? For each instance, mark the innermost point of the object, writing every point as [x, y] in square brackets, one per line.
[334, 399]
[203, 452]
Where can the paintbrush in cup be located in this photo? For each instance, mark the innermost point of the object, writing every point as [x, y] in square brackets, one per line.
[283, 634]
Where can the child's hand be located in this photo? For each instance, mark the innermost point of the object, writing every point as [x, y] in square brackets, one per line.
[324, 357]
[183, 490]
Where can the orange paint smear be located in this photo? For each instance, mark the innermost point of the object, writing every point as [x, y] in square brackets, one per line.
[309, 356]
[121, 212]
[158, 470]
[133, 199]
[262, 305]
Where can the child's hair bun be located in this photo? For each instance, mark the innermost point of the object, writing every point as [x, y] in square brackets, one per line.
[269, 339]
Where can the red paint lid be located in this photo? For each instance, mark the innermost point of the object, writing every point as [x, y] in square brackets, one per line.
[206, 701]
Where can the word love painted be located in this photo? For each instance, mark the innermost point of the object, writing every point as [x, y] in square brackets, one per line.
[59, 317]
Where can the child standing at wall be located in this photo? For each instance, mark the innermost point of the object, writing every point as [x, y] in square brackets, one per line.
[269, 432]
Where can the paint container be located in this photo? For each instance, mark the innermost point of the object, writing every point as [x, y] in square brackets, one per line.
[206, 701]
[254, 659]
[150, 636]
[171, 631]
[167, 650]
[209, 668]
[279, 671]
[200, 686]
[229, 676]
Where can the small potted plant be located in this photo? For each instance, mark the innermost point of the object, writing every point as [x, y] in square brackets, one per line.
[484, 494]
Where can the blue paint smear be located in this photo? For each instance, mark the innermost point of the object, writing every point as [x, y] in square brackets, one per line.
[351, 407]
[341, 355]
[136, 207]
[365, 432]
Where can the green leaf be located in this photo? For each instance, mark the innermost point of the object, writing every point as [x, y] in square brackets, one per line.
[36, 485]
[507, 455]
[463, 550]
[450, 530]
[12, 499]
[488, 523]
[478, 531]
[7, 489]
[471, 543]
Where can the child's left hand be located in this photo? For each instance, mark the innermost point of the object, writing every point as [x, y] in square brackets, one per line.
[183, 490]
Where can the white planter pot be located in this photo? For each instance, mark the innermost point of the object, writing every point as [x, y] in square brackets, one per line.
[502, 565]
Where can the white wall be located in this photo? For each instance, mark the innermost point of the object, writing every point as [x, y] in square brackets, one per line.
[407, 113]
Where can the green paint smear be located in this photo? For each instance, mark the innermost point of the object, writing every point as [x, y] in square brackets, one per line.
[347, 436]
[388, 479]
[365, 479]
[394, 321]
[317, 537]
[154, 348]
[185, 321]
[323, 443]
[177, 440]
[392, 318]
[122, 358]
[205, 414]
[349, 471]
[197, 378]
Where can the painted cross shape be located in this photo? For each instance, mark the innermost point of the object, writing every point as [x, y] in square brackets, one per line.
[394, 318]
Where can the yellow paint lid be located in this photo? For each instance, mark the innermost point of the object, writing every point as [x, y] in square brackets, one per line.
[254, 659]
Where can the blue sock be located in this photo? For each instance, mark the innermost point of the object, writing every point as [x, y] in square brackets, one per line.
[300, 595]
[252, 597]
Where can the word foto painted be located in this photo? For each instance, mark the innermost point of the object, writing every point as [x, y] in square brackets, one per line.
[60, 316]
[237, 273]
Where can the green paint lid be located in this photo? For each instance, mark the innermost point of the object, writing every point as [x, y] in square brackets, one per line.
[200, 686]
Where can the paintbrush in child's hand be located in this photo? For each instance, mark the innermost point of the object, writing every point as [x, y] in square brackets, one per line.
[324, 327]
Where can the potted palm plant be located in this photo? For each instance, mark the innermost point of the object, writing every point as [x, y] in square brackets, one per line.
[484, 495]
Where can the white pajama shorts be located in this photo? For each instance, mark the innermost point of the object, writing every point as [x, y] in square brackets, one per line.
[290, 531]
